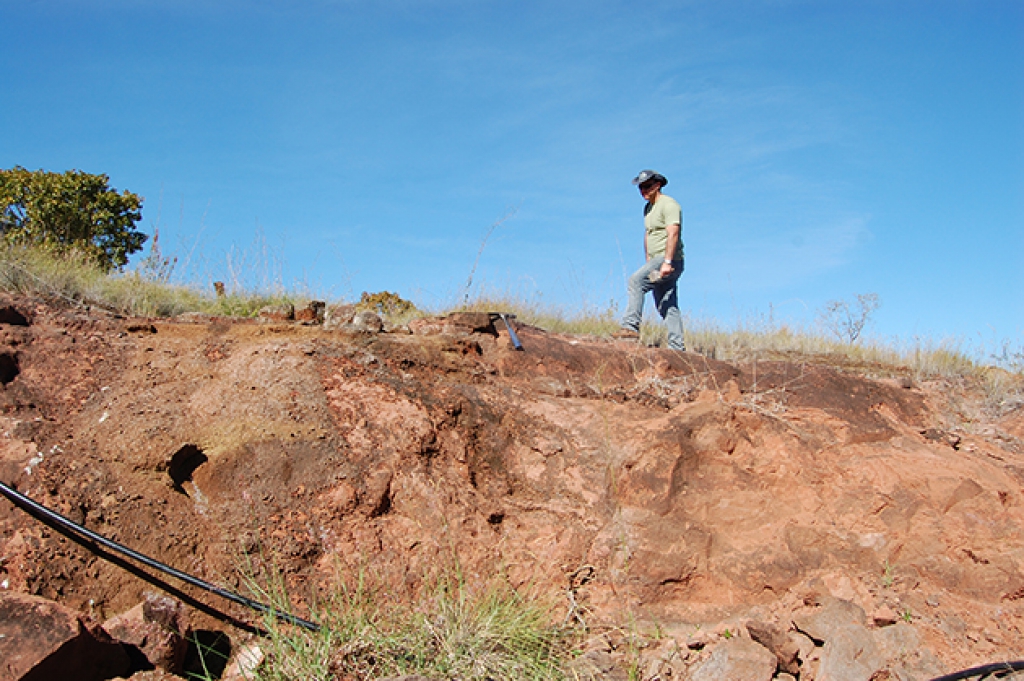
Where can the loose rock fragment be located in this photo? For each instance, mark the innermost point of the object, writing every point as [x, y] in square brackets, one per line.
[157, 628]
[739, 659]
[42, 639]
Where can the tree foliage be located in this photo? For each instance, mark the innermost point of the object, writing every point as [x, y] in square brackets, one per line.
[71, 210]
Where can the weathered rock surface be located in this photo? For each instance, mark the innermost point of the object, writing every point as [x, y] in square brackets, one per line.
[312, 313]
[850, 654]
[828, 617]
[598, 665]
[455, 324]
[337, 316]
[778, 641]
[40, 639]
[368, 322]
[284, 312]
[699, 491]
[738, 659]
[157, 628]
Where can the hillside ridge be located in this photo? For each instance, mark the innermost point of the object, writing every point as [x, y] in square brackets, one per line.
[706, 497]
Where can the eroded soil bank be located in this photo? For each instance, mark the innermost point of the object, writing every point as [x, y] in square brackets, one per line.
[702, 494]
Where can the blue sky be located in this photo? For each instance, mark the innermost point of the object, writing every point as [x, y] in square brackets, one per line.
[819, 149]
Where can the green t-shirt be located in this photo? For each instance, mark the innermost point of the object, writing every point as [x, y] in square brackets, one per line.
[657, 218]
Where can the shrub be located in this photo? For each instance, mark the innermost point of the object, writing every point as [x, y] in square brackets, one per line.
[71, 210]
[845, 320]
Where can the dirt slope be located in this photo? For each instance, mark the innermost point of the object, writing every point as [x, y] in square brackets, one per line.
[701, 493]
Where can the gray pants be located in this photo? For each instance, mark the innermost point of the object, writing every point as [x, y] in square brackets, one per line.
[664, 291]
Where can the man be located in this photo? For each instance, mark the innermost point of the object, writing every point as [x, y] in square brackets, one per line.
[663, 250]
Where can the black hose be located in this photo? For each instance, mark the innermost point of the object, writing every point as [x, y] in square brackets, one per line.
[51, 518]
[983, 671]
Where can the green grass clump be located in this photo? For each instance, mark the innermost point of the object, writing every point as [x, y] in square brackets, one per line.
[450, 631]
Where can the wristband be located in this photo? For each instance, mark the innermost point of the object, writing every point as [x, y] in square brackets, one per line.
[667, 261]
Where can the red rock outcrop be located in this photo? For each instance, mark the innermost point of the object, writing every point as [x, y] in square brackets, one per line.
[40, 639]
[699, 492]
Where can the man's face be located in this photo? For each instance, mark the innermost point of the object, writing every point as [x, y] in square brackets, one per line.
[650, 189]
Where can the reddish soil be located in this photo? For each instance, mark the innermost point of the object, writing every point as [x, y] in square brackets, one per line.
[702, 493]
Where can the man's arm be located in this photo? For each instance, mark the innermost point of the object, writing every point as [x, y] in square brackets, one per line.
[671, 244]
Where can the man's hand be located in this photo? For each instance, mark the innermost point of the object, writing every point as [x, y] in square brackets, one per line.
[666, 269]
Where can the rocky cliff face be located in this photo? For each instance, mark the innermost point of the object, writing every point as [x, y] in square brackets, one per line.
[700, 496]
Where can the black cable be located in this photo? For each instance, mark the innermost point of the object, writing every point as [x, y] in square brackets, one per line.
[46, 516]
[983, 671]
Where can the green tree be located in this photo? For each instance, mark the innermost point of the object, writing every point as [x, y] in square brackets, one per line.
[71, 210]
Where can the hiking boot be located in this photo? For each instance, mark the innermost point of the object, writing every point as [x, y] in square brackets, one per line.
[626, 334]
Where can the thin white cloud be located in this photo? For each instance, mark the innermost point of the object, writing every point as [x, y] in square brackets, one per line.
[774, 259]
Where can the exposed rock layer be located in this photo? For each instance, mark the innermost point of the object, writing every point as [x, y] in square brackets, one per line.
[700, 492]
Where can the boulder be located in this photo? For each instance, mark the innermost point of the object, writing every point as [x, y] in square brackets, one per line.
[336, 316]
[157, 629]
[737, 659]
[40, 639]
[367, 322]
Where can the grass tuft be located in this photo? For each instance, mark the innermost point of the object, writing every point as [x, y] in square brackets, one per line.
[450, 630]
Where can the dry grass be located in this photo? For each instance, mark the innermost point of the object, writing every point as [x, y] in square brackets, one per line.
[450, 630]
[70, 278]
